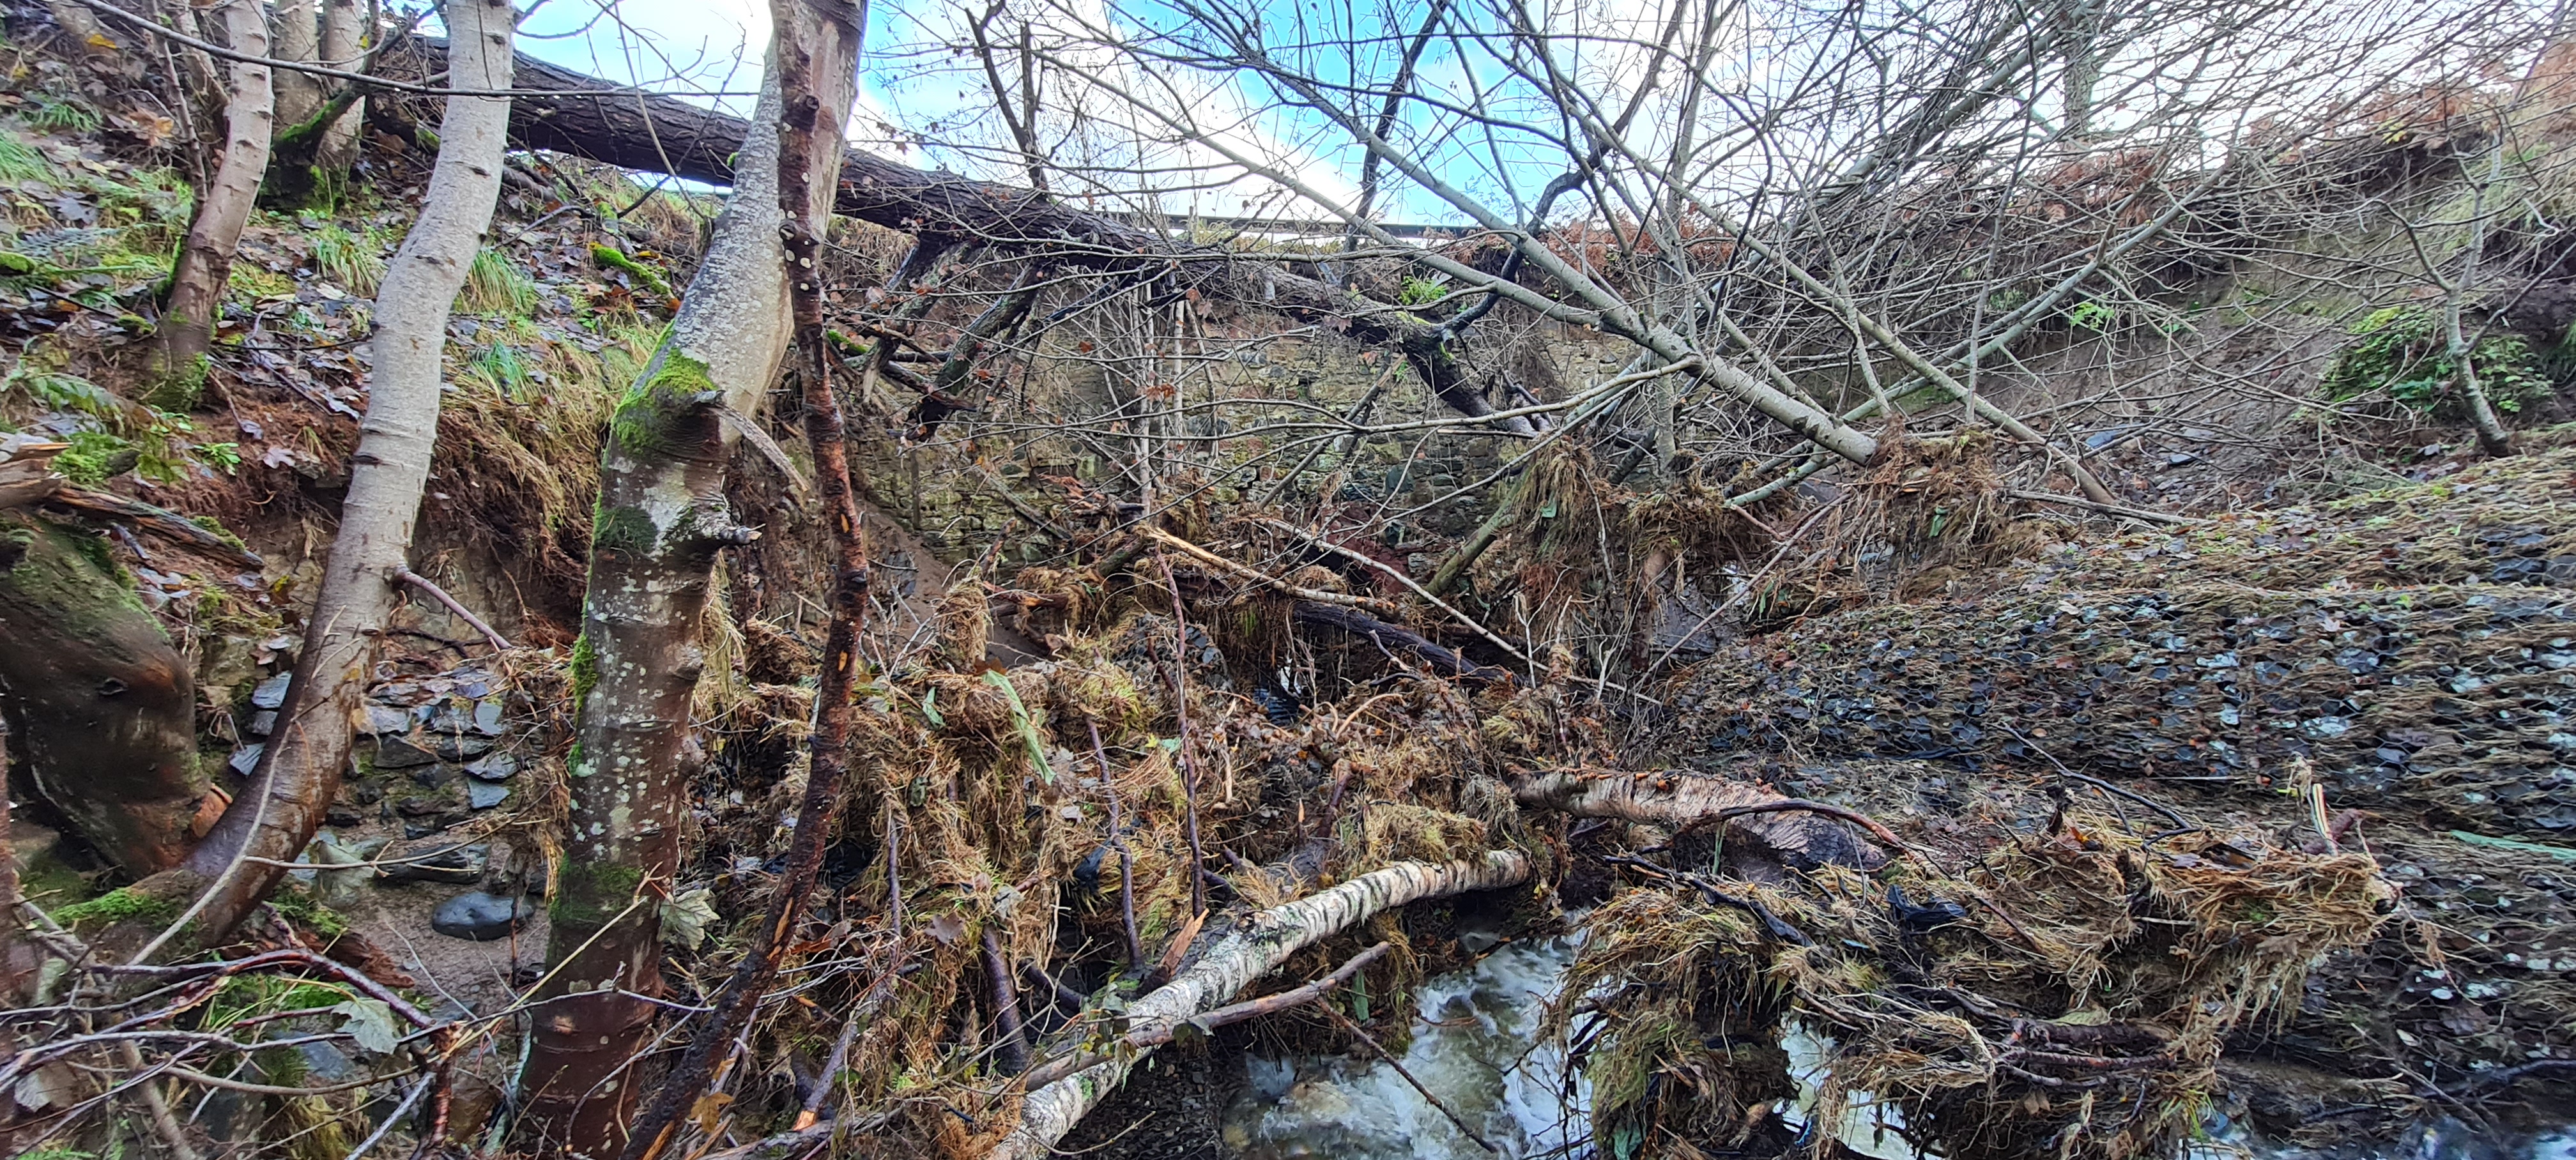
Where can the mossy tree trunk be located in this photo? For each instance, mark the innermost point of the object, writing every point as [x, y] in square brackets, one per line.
[187, 328]
[299, 774]
[101, 707]
[662, 519]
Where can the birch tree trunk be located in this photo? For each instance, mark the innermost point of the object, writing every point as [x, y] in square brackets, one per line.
[661, 521]
[814, 56]
[205, 262]
[299, 773]
[344, 33]
[297, 38]
[1232, 961]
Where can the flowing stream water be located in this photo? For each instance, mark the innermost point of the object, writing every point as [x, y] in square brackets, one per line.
[1478, 1049]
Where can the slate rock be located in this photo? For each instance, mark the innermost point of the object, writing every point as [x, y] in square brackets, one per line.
[487, 717]
[262, 723]
[421, 807]
[245, 759]
[450, 863]
[434, 776]
[344, 817]
[479, 917]
[493, 767]
[383, 719]
[271, 693]
[484, 795]
[459, 747]
[397, 753]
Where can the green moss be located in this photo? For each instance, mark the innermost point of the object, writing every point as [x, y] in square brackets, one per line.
[123, 904]
[611, 258]
[588, 895]
[2401, 350]
[95, 457]
[623, 530]
[645, 416]
[585, 671]
[250, 283]
[302, 909]
[179, 388]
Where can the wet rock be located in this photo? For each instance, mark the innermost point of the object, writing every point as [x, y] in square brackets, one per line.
[449, 863]
[434, 776]
[479, 917]
[484, 795]
[383, 719]
[493, 767]
[398, 753]
[421, 807]
[459, 747]
[344, 817]
[271, 693]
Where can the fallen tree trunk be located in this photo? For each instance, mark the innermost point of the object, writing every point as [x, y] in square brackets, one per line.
[1798, 833]
[101, 704]
[663, 134]
[1231, 962]
[1442, 659]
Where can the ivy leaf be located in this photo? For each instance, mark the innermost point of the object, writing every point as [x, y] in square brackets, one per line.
[370, 1022]
[685, 918]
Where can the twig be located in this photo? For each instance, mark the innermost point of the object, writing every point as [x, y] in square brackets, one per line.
[1014, 1054]
[1802, 805]
[2113, 509]
[1373, 1045]
[440, 595]
[2168, 811]
[1257, 576]
[1181, 714]
[1070, 1064]
[392, 1118]
[1126, 865]
[1027, 510]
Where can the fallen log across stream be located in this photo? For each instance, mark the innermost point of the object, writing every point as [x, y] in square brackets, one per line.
[1232, 961]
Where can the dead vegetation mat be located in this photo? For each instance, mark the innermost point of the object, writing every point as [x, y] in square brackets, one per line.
[2065, 992]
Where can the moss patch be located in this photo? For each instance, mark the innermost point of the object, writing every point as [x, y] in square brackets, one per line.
[123, 904]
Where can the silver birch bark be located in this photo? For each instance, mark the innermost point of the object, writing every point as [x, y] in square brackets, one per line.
[205, 262]
[1232, 961]
[300, 772]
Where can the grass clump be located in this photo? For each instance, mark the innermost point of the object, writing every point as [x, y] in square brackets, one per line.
[496, 285]
[347, 259]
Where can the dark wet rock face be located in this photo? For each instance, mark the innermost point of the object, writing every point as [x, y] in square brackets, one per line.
[479, 917]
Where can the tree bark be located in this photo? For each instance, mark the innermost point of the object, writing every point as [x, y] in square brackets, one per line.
[297, 38]
[1678, 798]
[1442, 659]
[815, 54]
[299, 773]
[344, 32]
[1231, 962]
[662, 134]
[662, 520]
[103, 709]
[187, 327]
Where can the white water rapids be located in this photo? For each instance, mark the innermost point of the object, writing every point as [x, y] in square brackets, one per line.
[1478, 1049]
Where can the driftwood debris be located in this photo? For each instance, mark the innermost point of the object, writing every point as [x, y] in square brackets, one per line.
[1235, 958]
